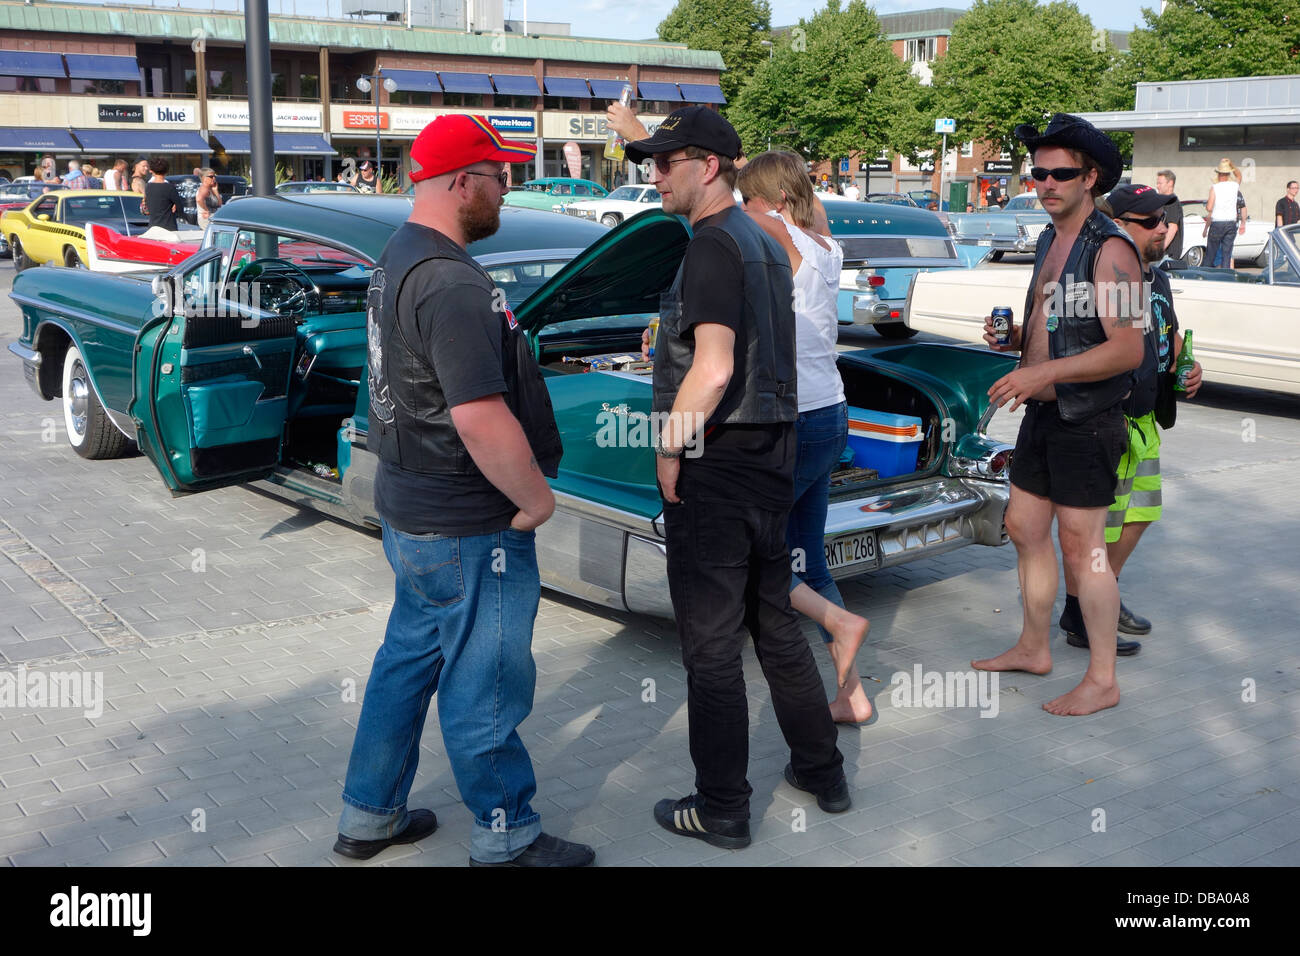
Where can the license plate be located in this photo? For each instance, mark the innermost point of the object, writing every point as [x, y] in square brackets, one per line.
[984, 242]
[852, 549]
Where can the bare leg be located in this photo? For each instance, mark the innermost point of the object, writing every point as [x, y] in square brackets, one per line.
[1118, 552]
[1082, 533]
[1029, 523]
[848, 630]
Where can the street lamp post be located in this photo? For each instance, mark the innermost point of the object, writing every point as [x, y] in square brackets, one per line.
[365, 83]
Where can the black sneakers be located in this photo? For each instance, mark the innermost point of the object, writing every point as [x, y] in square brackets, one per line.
[547, 850]
[1076, 635]
[684, 818]
[419, 824]
[834, 799]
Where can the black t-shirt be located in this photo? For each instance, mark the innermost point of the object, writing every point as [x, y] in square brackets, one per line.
[444, 310]
[1288, 209]
[1174, 216]
[159, 199]
[750, 462]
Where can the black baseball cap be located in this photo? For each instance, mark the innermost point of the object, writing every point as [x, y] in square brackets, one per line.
[689, 126]
[1143, 200]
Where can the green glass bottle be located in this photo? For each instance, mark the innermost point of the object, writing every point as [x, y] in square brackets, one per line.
[1184, 364]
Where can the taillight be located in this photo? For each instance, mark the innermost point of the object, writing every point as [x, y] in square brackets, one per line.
[999, 462]
[895, 314]
[877, 281]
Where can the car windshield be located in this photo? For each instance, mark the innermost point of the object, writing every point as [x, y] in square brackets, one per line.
[79, 210]
[536, 187]
[1026, 201]
[1194, 208]
[1284, 271]
[520, 280]
[626, 194]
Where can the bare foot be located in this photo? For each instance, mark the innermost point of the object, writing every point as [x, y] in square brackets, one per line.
[850, 705]
[1017, 659]
[849, 630]
[1088, 698]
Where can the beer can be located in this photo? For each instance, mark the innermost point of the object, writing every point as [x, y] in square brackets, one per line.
[1002, 317]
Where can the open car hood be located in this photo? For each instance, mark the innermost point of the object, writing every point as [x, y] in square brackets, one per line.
[621, 273]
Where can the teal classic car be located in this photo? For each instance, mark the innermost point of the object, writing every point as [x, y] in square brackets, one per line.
[247, 363]
[554, 193]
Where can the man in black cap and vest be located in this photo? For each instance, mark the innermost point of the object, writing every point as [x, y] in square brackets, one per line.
[724, 380]
[462, 424]
[1080, 341]
[1140, 211]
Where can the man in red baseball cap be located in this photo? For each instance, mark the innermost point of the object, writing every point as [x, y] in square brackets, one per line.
[462, 426]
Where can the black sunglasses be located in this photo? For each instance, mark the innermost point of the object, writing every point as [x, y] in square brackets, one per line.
[1062, 174]
[664, 164]
[502, 177]
[1150, 222]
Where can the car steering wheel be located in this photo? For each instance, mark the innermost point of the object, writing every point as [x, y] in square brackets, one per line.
[306, 296]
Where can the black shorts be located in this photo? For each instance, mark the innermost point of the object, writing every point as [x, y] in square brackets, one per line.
[1070, 463]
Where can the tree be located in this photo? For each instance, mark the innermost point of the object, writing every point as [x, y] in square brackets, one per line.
[1206, 39]
[734, 28]
[1016, 61]
[832, 87]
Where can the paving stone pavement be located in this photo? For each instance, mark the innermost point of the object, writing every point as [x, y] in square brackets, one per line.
[234, 635]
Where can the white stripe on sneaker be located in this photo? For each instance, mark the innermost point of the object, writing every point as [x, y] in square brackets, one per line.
[695, 815]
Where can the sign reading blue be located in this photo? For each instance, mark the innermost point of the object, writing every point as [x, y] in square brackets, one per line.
[513, 124]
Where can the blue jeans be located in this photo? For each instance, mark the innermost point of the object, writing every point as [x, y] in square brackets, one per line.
[1218, 244]
[462, 622]
[822, 435]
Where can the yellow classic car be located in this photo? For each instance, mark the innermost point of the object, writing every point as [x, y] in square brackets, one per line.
[53, 227]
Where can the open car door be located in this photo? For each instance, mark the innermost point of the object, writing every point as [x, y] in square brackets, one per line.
[210, 378]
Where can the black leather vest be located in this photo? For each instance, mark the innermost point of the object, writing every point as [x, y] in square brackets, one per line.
[1147, 377]
[767, 339]
[410, 423]
[1079, 329]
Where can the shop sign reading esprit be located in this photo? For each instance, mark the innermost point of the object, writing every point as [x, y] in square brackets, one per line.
[416, 120]
[236, 114]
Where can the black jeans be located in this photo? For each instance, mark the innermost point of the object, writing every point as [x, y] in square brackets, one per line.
[728, 573]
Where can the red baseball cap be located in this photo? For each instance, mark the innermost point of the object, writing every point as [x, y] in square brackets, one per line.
[458, 140]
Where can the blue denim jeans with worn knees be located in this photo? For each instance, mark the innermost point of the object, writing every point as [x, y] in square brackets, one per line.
[461, 627]
[822, 435]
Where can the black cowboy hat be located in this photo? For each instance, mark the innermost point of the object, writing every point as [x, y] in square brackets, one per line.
[1075, 132]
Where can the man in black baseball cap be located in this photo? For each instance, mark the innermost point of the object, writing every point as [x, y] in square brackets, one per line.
[724, 383]
[1079, 342]
[1140, 211]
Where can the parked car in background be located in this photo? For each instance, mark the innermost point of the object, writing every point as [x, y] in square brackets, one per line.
[1246, 324]
[891, 199]
[1249, 248]
[187, 184]
[219, 387]
[52, 227]
[553, 191]
[1013, 229]
[17, 196]
[928, 199]
[623, 203]
[309, 186]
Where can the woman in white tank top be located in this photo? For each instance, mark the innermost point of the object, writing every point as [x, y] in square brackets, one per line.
[779, 197]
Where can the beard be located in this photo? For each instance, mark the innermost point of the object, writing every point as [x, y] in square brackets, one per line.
[482, 217]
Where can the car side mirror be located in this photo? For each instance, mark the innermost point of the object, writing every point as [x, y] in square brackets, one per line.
[44, 217]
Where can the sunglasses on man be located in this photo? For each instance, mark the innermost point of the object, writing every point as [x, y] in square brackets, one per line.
[1150, 222]
[502, 177]
[664, 164]
[1062, 174]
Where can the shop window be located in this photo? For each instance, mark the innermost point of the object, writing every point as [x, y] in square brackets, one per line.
[26, 84]
[1278, 136]
[221, 83]
[279, 86]
[506, 101]
[462, 99]
[308, 86]
[410, 98]
[567, 104]
[191, 83]
[102, 87]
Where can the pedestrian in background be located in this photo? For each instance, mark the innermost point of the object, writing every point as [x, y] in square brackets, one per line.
[113, 178]
[724, 380]
[777, 196]
[1140, 211]
[75, 178]
[1225, 216]
[164, 202]
[208, 199]
[1165, 182]
[140, 175]
[1287, 212]
[461, 422]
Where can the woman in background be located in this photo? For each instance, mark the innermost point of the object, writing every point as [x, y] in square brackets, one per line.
[208, 199]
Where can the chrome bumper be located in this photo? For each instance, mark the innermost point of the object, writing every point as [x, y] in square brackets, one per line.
[870, 309]
[31, 365]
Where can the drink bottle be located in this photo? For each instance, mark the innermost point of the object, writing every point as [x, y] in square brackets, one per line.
[613, 142]
[1184, 364]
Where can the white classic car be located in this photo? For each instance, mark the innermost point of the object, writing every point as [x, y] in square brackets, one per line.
[1247, 325]
[1248, 248]
[623, 203]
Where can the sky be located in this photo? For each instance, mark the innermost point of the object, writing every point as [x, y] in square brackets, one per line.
[638, 19]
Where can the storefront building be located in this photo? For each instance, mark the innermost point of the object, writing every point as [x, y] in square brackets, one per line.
[97, 83]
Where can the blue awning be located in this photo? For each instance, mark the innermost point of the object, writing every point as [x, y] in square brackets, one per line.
[567, 86]
[660, 91]
[702, 93]
[465, 82]
[37, 140]
[83, 66]
[141, 141]
[415, 81]
[300, 144]
[515, 85]
[27, 63]
[607, 89]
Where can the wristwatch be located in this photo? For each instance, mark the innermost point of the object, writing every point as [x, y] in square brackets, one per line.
[663, 452]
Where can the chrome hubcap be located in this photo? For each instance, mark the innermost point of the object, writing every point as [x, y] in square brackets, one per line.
[78, 398]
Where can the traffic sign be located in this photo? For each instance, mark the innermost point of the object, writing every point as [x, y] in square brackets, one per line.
[945, 126]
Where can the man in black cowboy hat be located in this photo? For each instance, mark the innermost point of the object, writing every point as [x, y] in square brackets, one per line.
[1080, 341]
